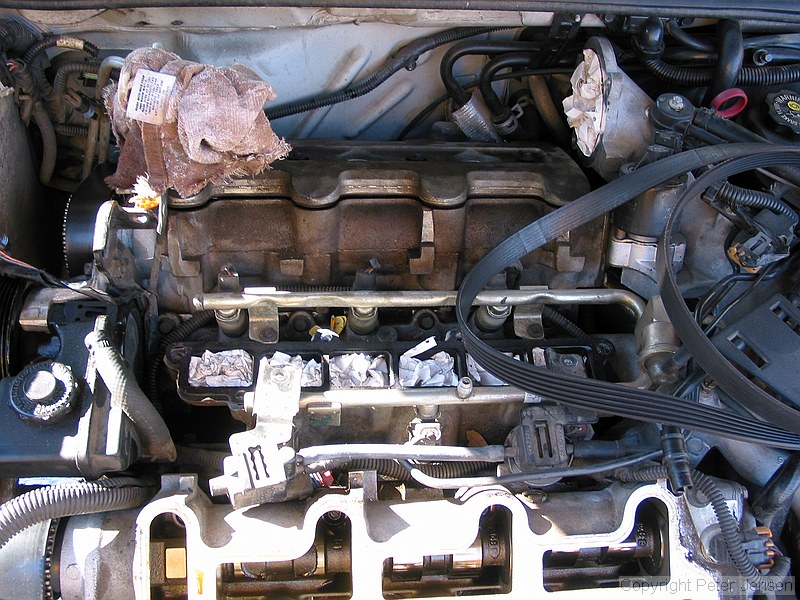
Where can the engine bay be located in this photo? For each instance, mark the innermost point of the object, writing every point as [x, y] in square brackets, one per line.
[368, 301]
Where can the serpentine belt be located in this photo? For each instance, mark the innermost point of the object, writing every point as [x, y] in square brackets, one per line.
[725, 375]
[599, 395]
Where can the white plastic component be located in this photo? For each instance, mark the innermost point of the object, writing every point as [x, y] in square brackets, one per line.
[585, 108]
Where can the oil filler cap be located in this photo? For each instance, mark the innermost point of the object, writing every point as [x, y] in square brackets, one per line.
[784, 108]
[43, 392]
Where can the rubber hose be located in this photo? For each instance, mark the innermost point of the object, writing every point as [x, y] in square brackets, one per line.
[62, 41]
[548, 111]
[156, 439]
[730, 60]
[748, 76]
[71, 130]
[69, 500]
[15, 37]
[393, 470]
[49, 143]
[729, 526]
[180, 333]
[405, 58]
[688, 40]
[687, 55]
[756, 199]
[500, 112]
[726, 130]
[459, 95]
[676, 459]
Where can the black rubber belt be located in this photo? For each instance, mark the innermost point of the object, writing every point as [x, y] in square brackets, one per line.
[598, 395]
[725, 375]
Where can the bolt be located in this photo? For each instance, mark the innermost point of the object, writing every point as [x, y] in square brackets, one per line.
[568, 361]
[301, 324]
[694, 445]
[426, 321]
[676, 103]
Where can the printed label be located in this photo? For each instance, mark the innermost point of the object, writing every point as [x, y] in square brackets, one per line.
[148, 101]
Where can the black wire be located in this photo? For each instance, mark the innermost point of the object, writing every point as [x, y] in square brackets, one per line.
[768, 273]
[406, 57]
[432, 106]
[17, 268]
[717, 292]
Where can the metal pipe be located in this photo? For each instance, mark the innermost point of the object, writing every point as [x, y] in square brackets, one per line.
[335, 452]
[411, 397]
[545, 474]
[415, 299]
[107, 66]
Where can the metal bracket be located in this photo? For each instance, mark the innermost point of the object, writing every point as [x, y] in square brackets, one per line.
[263, 465]
[528, 317]
[264, 324]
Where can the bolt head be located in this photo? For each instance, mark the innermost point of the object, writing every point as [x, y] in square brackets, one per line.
[568, 361]
[676, 103]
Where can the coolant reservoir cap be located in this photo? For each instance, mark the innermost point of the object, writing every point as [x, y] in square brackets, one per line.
[43, 392]
[784, 108]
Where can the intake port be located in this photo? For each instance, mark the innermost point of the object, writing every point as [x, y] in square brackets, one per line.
[321, 573]
[168, 558]
[483, 568]
[643, 556]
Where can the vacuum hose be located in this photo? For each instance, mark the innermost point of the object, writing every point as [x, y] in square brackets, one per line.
[651, 46]
[156, 439]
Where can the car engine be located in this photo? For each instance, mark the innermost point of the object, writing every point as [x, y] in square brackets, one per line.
[399, 299]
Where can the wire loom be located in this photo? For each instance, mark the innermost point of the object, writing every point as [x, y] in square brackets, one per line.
[603, 396]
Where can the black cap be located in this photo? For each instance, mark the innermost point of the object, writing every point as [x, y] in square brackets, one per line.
[43, 392]
[784, 108]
